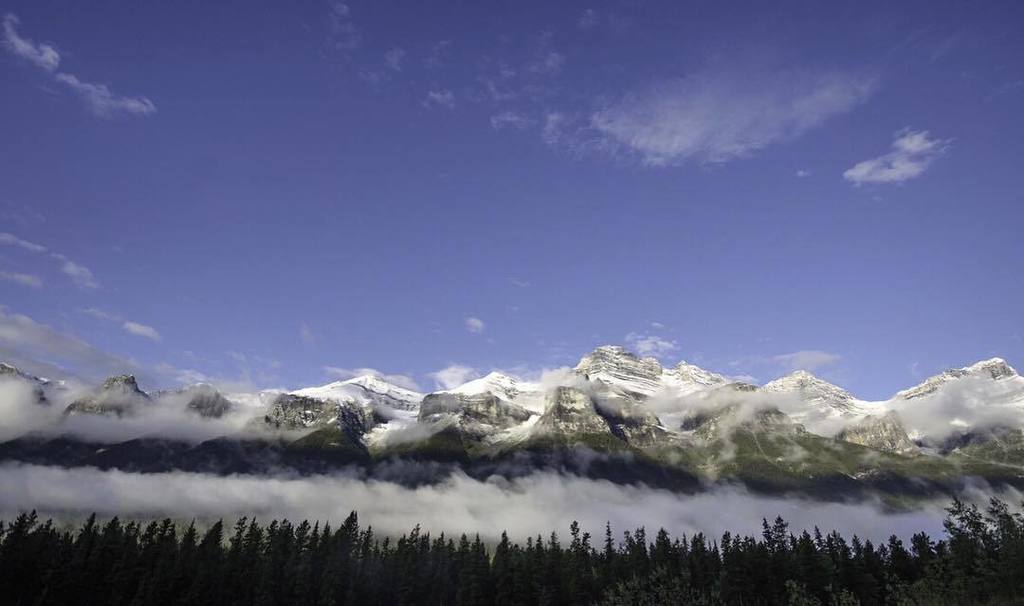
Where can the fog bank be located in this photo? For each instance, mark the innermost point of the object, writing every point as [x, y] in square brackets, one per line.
[528, 506]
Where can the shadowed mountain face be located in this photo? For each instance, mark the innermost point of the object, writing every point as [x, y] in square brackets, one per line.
[615, 415]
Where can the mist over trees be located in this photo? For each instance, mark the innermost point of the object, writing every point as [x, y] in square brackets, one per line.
[979, 561]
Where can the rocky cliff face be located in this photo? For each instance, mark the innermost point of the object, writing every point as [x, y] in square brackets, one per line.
[614, 366]
[884, 432]
[717, 423]
[477, 413]
[292, 412]
[206, 401]
[570, 411]
[119, 396]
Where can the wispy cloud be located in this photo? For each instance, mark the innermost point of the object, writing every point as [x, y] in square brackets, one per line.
[343, 35]
[102, 102]
[802, 173]
[454, 375]
[24, 339]
[350, 373]
[440, 98]
[133, 328]
[98, 97]
[79, 274]
[12, 240]
[912, 153]
[23, 279]
[510, 119]
[475, 325]
[807, 359]
[141, 330]
[41, 55]
[719, 115]
[650, 345]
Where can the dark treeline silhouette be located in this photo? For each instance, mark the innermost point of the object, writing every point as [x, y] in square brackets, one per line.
[980, 561]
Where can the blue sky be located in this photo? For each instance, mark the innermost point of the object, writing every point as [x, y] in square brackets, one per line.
[279, 193]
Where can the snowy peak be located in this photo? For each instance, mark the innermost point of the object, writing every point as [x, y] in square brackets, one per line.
[812, 390]
[614, 365]
[364, 389]
[994, 369]
[695, 376]
[501, 385]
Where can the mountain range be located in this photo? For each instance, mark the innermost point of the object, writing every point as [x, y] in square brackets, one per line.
[615, 416]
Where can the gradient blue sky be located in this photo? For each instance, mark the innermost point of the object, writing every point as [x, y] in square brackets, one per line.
[259, 191]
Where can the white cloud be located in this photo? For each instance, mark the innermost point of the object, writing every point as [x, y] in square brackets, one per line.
[104, 103]
[129, 326]
[350, 373]
[454, 375]
[801, 173]
[23, 279]
[11, 239]
[807, 359]
[475, 325]
[24, 339]
[510, 119]
[79, 274]
[912, 153]
[718, 115]
[141, 330]
[41, 55]
[98, 97]
[440, 98]
[393, 59]
[650, 345]
[519, 283]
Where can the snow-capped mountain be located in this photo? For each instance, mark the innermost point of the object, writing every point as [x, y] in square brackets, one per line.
[365, 390]
[798, 429]
[501, 385]
[615, 366]
[814, 391]
[995, 369]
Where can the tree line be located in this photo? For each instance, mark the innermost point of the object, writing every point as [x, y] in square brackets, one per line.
[979, 561]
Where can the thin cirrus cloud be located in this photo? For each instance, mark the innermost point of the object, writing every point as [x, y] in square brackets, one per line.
[23, 279]
[715, 116]
[911, 155]
[100, 100]
[807, 359]
[133, 328]
[81, 275]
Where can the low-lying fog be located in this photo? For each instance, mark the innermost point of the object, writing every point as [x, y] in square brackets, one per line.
[536, 504]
